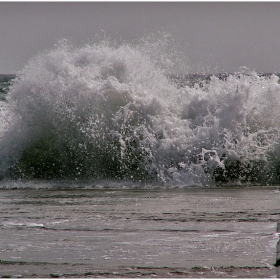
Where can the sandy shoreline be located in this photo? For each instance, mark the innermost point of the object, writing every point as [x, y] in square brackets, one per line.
[52, 270]
[192, 233]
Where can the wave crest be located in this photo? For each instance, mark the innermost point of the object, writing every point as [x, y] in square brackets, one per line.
[104, 111]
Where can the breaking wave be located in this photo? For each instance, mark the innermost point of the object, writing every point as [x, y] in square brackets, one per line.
[108, 111]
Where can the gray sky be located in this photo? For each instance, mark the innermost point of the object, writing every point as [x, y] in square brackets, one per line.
[217, 37]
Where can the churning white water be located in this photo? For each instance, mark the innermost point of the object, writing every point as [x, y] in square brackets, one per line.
[108, 111]
[104, 134]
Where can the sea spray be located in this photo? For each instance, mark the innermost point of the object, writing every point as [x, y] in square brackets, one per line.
[107, 111]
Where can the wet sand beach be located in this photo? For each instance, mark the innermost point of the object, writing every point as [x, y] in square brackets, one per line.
[88, 232]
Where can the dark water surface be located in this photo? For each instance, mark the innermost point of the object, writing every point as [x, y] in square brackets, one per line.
[82, 231]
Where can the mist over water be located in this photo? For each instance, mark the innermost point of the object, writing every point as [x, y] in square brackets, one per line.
[111, 111]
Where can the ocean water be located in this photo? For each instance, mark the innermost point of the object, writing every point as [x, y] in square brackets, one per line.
[110, 158]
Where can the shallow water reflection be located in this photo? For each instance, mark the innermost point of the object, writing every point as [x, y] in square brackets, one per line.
[148, 228]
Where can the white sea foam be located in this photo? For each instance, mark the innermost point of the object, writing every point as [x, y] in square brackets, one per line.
[107, 111]
[19, 224]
